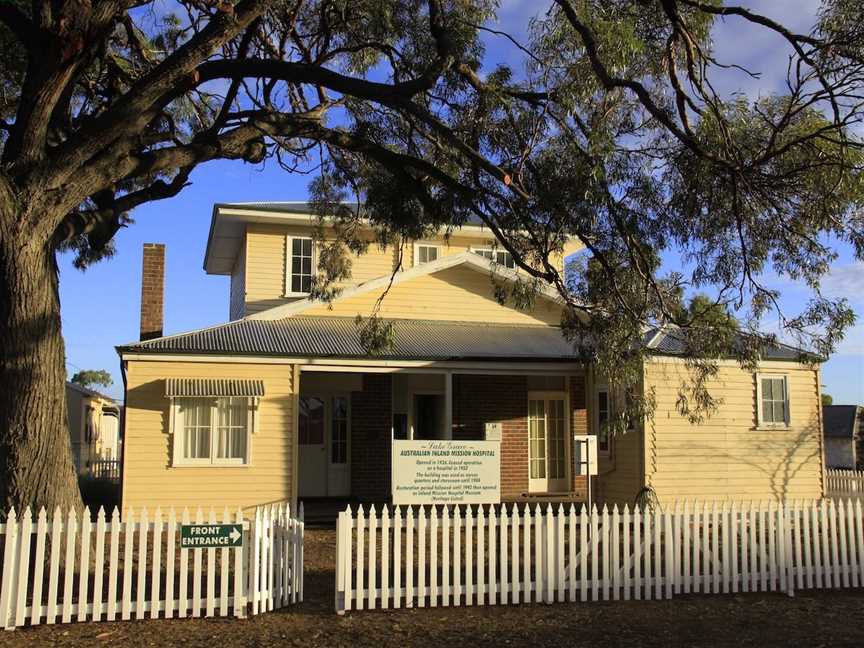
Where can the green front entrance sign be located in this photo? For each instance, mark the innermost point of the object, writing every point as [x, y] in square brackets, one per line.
[204, 536]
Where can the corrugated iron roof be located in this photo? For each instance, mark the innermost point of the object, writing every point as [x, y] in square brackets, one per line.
[305, 207]
[213, 387]
[664, 341]
[338, 337]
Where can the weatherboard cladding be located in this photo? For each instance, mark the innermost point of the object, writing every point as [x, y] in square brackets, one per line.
[213, 387]
[338, 337]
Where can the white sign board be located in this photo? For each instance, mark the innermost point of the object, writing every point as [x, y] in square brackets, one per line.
[585, 454]
[493, 431]
[446, 472]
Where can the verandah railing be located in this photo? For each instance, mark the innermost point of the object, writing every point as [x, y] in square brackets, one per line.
[70, 567]
[411, 557]
[108, 469]
[844, 483]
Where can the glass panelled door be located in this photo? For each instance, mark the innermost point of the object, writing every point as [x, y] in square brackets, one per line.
[338, 477]
[313, 448]
[324, 438]
[547, 443]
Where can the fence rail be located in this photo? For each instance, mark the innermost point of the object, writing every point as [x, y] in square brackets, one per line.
[844, 483]
[105, 469]
[71, 568]
[510, 555]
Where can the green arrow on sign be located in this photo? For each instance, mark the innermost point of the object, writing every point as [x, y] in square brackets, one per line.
[205, 536]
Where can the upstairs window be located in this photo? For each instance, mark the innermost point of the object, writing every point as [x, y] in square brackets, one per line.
[426, 253]
[299, 263]
[501, 257]
[772, 400]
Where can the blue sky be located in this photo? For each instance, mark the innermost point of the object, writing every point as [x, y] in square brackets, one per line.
[101, 306]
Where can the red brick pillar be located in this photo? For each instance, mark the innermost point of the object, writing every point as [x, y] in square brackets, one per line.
[371, 421]
[152, 290]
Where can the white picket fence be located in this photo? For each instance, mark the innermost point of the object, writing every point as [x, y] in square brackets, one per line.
[456, 556]
[71, 569]
[844, 483]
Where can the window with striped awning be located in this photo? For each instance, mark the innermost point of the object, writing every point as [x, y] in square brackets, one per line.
[212, 419]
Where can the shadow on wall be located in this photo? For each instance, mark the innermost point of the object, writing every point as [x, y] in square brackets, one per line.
[777, 458]
[793, 457]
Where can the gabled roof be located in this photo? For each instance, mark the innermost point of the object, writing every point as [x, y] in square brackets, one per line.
[841, 421]
[468, 260]
[338, 337]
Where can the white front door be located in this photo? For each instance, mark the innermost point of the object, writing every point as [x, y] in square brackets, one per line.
[338, 475]
[313, 447]
[548, 463]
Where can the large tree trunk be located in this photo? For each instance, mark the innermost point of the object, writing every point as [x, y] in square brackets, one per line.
[35, 450]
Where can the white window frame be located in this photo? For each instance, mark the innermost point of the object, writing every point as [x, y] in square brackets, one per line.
[289, 245]
[420, 244]
[176, 425]
[494, 250]
[762, 423]
[595, 418]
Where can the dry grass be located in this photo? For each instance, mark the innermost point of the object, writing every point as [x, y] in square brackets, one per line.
[809, 619]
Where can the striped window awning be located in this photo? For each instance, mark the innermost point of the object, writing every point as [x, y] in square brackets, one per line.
[213, 387]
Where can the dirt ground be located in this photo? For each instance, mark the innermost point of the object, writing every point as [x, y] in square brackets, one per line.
[810, 619]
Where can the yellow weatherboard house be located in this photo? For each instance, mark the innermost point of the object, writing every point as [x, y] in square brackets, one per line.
[283, 403]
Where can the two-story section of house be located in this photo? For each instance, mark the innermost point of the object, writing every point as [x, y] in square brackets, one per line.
[284, 402]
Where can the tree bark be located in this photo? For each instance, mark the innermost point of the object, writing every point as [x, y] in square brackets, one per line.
[35, 450]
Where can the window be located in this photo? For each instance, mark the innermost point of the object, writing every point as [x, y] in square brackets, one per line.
[339, 424]
[773, 400]
[299, 265]
[311, 421]
[602, 419]
[629, 399]
[212, 431]
[426, 253]
[500, 257]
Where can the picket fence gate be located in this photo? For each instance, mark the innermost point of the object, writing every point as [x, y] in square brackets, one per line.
[455, 556]
[72, 569]
[844, 483]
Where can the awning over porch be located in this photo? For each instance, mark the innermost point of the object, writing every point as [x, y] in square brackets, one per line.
[339, 337]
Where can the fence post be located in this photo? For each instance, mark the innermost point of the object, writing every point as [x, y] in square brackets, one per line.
[301, 524]
[787, 551]
[10, 565]
[339, 602]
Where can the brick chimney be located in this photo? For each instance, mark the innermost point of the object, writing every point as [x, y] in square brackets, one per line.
[152, 290]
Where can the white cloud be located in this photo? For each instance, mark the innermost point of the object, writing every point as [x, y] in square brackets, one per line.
[757, 48]
[845, 281]
[853, 342]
